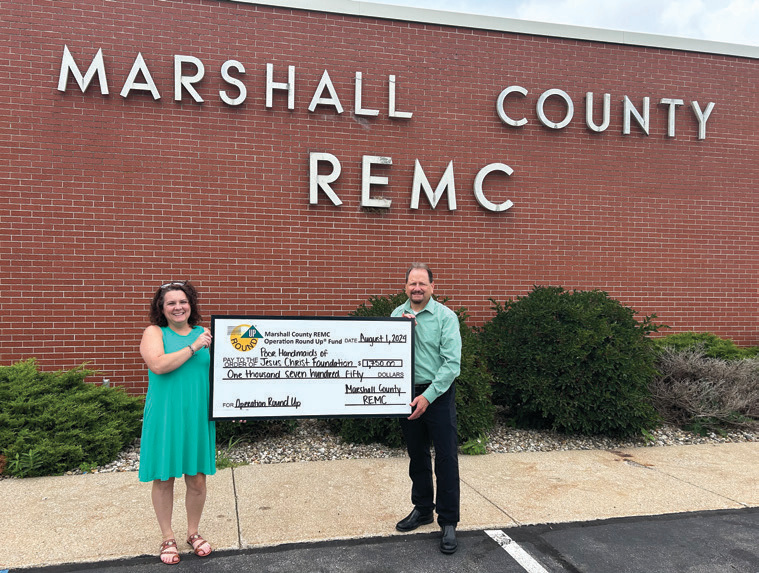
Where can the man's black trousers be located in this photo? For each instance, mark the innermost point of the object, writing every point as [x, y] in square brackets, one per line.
[437, 427]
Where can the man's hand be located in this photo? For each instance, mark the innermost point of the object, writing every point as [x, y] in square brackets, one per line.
[409, 316]
[418, 407]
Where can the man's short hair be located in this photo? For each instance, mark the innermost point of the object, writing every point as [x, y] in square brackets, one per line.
[422, 266]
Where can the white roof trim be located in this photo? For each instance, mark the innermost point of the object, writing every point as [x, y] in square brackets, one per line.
[462, 20]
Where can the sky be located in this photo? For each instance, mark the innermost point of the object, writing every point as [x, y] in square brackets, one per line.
[732, 21]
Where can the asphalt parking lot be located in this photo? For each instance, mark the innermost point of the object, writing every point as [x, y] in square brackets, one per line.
[723, 541]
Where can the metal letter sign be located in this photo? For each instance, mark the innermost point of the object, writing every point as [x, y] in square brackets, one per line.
[292, 367]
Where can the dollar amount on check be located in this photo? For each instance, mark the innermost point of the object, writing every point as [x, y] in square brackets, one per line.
[282, 367]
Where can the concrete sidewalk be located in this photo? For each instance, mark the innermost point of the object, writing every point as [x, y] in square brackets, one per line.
[47, 521]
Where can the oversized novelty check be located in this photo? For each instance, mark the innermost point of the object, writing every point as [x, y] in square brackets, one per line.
[292, 367]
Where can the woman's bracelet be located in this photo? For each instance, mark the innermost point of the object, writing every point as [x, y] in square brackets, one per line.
[191, 350]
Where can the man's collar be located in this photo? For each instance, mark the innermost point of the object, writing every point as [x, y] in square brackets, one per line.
[430, 306]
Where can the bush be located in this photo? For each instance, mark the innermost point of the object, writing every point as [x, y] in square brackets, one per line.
[473, 388]
[576, 362]
[369, 431]
[228, 431]
[701, 394]
[52, 422]
[712, 346]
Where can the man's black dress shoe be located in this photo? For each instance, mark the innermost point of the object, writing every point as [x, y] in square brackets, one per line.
[448, 543]
[414, 520]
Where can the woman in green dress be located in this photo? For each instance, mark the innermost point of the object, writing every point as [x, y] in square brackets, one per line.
[177, 437]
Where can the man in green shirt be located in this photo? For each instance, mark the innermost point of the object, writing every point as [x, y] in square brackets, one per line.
[437, 363]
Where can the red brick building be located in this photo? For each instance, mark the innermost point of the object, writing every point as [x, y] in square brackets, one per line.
[292, 158]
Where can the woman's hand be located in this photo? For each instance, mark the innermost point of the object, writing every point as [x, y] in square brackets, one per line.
[203, 341]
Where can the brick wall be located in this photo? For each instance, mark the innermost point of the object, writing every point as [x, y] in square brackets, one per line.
[105, 197]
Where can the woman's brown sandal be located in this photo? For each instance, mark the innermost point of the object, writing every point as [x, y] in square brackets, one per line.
[197, 542]
[169, 548]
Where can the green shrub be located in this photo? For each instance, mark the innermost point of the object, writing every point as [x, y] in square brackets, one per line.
[382, 305]
[575, 362]
[369, 431]
[52, 422]
[473, 388]
[230, 433]
[711, 345]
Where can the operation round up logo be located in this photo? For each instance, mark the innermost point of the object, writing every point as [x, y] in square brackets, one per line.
[244, 337]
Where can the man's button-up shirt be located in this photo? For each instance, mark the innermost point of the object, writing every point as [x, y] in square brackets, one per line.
[437, 347]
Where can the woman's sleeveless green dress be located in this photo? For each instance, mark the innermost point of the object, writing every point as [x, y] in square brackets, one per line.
[177, 437]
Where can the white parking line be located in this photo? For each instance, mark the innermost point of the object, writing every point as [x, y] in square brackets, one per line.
[520, 555]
